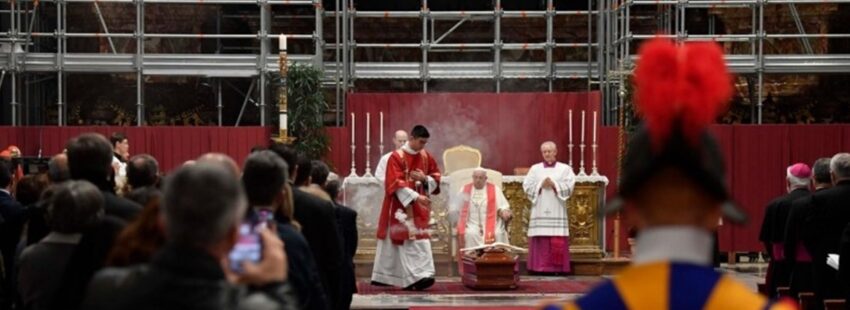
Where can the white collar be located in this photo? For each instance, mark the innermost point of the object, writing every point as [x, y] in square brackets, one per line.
[681, 244]
[406, 148]
[3, 190]
[56, 237]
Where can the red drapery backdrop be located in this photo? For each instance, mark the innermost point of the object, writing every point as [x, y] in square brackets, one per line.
[485, 121]
[170, 145]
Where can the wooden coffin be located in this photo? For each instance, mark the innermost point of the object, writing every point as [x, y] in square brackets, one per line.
[495, 269]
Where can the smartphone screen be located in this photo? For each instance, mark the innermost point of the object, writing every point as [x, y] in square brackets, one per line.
[247, 249]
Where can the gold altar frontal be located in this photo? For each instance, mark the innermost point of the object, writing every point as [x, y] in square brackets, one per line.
[365, 195]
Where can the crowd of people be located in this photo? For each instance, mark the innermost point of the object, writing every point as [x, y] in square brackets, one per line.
[100, 229]
[803, 227]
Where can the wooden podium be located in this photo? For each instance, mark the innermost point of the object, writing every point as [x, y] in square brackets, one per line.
[495, 269]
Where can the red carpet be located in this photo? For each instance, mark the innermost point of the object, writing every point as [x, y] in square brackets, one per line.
[472, 308]
[455, 287]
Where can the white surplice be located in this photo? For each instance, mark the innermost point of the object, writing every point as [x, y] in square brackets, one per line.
[381, 169]
[477, 217]
[548, 207]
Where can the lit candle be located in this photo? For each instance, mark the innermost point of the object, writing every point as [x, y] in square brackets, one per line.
[352, 128]
[594, 127]
[571, 126]
[281, 44]
[382, 127]
[582, 126]
[367, 128]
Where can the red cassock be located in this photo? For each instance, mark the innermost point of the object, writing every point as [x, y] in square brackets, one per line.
[399, 167]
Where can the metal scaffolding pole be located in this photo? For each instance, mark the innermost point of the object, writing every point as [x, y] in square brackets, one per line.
[140, 51]
[103, 25]
[426, 45]
[352, 74]
[802, 30]
[590, 48]
[760, 68]
[14, 87]
[318, 36]
[60, 74]
[497, 46]
[219, 106]
[262, 62]
[345, 55]
[339, 106]
[13, 36]
[550, 43]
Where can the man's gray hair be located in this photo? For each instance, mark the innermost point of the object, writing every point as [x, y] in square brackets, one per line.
[840, 165]
[202, 203]
[548, 143]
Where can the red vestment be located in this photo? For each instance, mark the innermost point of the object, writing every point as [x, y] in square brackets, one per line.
[399, 167]
[489, 226]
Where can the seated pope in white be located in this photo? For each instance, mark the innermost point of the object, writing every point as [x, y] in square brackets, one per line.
[483, 213]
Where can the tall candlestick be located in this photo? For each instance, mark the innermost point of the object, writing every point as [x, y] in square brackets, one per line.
[281, 44]
[582, 146]
[570, 145]
[368, 146]
[382, 127]
[594, 170]
[571, 126]
[594, 127]
[353, 167]
[381, 146]
[582, 126]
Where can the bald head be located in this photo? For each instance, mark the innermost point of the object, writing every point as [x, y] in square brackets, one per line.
[549, 151]
[221, 159]
[57, 169]
[400, 138]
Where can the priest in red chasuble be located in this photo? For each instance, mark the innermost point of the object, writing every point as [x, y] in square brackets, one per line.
[403, 257]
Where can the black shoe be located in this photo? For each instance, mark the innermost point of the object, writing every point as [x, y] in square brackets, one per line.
[420, 285]
[376, 283]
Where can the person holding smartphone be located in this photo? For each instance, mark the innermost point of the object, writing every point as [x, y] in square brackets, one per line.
[265, 178]
[203, 208]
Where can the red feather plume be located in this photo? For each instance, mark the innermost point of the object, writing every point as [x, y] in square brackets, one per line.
[688, 83]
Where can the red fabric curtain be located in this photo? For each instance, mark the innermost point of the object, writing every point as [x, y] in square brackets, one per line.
[497, 124]
[170, 145]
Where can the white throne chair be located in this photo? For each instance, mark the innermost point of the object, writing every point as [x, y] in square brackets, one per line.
[460, 157]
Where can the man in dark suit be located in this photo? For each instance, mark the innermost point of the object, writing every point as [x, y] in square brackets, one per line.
[90, 159]
[773, 226]
[829, 216]
[319, 227]
[844, 252]
[14, 216]
[347, 220]
[797, 247]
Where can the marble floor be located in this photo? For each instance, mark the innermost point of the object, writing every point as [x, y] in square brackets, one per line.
[748, 273]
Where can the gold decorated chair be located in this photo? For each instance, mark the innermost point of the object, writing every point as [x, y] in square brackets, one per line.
[460, 157]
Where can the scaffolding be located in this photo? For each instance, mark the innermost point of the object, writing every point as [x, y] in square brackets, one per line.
[609, 49]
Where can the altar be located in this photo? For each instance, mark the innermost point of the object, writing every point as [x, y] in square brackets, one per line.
[365, 194]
